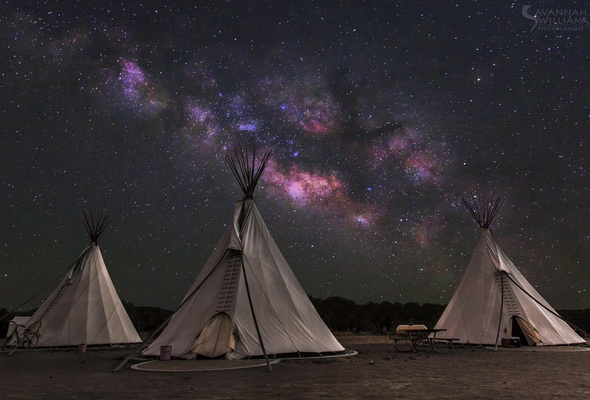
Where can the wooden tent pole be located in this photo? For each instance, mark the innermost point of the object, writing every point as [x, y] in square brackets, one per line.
[254, 314]
[501, 309]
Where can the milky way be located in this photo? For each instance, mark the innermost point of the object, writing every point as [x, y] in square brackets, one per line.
[379, 116]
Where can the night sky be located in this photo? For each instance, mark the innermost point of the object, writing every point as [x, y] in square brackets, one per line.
[380, 116]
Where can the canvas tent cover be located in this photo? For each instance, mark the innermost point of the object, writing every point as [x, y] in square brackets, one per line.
[85, 308]
[217, 308]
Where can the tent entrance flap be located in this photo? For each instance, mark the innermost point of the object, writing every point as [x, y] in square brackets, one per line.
[525, 331]
[217, 337]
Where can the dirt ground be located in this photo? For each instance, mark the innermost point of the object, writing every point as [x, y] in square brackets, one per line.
[377, 372]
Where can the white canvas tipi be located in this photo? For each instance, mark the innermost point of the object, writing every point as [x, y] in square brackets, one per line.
[85, 307]
[246, 300]
[494, 301]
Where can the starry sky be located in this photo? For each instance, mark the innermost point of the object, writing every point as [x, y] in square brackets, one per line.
[380, 116]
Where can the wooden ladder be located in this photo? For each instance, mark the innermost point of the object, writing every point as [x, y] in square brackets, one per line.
[228, 290]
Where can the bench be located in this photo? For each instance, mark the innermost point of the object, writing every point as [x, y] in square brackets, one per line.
[420, 339]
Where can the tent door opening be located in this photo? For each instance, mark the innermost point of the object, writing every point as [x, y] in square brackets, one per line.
[217, 337]
[522, 329]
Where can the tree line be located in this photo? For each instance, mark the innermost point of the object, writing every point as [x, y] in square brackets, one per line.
[339, 314]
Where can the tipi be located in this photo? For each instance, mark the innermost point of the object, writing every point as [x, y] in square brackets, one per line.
[494, 301]
[85, 307]
[246, 300]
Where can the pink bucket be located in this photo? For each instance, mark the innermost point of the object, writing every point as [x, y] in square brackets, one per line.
[165, 353]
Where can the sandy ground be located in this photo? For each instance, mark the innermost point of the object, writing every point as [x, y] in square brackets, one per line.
[377, 372]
